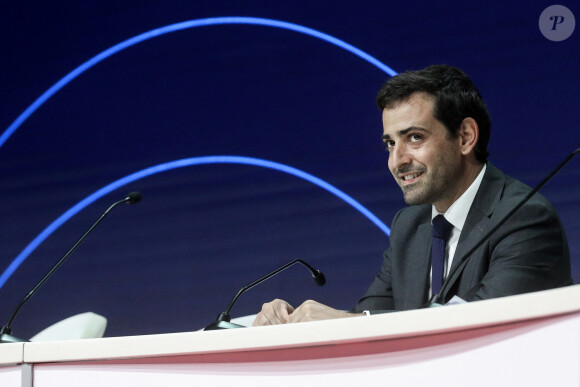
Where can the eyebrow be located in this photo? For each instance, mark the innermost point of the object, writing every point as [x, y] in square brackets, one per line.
[403, 132]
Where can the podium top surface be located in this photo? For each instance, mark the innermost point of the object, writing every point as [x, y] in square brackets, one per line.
[11, 353]
[389, 326]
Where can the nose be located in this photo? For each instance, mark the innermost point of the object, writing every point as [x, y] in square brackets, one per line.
[398, 157]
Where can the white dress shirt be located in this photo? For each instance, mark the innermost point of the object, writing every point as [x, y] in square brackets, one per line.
[456, 214]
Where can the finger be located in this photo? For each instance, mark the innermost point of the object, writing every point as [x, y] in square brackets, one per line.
[261, 320]
[303, 312]
[274, 312]
[312, 311]
[282, 311]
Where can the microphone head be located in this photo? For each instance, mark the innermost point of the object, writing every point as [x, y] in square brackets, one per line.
[133, 197]
[319, 278]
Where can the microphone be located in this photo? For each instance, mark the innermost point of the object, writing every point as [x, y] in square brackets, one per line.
[436, 298]
[223, 319]
[6, 330]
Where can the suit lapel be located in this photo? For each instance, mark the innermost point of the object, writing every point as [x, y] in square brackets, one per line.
[419, 265]
[477, 223]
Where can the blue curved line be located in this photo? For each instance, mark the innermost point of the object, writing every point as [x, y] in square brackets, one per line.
[178, 27]
[179, 164]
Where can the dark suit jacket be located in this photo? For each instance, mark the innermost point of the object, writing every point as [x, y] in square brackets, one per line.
[529, 252]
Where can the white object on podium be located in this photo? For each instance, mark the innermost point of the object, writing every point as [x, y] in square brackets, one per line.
[87, 325]
[245, 321]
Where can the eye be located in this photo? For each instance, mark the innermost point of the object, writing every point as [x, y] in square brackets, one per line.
[389, 144]
[415, 137]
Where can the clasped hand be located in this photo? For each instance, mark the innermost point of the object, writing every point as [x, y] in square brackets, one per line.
[281, 312]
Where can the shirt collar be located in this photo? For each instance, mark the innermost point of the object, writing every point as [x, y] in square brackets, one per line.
[457, 213]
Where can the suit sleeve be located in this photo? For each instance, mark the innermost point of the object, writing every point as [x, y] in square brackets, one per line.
[379, 296]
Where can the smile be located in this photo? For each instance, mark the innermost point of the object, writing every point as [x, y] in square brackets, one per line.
[409, 177]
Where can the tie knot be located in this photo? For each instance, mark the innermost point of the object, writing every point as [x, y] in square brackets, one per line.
[441, 227]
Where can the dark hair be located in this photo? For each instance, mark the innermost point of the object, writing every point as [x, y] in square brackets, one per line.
[456, 98]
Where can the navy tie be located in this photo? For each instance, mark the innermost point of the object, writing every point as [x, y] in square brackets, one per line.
[441, 232]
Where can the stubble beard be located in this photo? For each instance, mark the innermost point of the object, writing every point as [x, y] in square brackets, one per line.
[417, 193]
[433, 186]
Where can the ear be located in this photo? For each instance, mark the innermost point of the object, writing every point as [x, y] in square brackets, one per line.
[468, 136]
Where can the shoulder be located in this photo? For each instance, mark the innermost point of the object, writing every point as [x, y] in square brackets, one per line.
[410, 218]
[514, 191]
[508, 192]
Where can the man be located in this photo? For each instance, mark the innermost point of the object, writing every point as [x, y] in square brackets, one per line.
[436, 129]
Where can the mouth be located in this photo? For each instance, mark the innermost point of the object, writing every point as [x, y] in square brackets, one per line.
[410, 178]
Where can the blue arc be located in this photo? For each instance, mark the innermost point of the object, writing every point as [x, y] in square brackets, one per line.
[186, 162]
[178, 27]
[179, 164]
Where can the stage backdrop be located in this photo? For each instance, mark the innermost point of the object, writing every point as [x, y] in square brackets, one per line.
[101, 98]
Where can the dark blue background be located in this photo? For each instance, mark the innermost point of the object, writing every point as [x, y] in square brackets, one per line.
[175, 260]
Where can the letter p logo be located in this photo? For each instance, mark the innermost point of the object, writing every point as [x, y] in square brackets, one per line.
[557, 20]
[557, 23]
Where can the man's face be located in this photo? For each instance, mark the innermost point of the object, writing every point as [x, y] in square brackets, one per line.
[423, 158]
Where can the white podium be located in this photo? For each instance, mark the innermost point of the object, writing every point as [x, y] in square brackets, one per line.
[526, 340]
